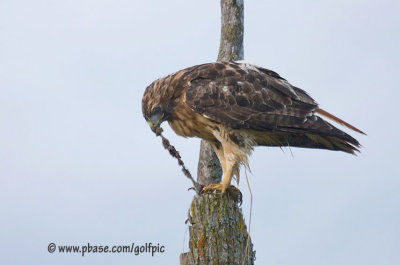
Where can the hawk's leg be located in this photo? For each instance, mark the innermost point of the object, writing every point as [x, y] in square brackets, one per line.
[229, 166]
[225, 184]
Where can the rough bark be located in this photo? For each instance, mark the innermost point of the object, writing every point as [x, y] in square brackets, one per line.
[231, 43]
[209, 169]
[218, 234]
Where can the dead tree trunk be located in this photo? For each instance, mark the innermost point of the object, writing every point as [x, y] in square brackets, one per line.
[218, 234]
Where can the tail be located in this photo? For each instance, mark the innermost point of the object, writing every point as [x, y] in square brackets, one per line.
[336, 119]
[313, 133]
[348, 145]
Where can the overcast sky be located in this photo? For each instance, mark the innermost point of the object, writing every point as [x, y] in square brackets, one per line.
[78, 163]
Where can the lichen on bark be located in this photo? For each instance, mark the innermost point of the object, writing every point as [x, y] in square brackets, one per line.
[218, 234]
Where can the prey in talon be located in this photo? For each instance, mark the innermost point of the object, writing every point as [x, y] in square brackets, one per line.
[237, 106]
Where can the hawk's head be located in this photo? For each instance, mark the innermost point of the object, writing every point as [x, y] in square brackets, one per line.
[162, 96]
[157, 102]
[152, 107]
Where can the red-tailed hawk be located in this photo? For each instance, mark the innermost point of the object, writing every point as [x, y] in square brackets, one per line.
[236, 106]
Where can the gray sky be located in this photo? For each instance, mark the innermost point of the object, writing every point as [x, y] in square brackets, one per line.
[79, 164]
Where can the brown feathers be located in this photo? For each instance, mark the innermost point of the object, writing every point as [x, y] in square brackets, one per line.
[336, 119]
[251, 102]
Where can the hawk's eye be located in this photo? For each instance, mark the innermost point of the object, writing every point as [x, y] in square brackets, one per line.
[156, 110]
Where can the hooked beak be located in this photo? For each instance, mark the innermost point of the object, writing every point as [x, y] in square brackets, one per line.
[155, 121]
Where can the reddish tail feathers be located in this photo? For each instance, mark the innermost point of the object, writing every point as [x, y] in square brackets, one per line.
[336, 119]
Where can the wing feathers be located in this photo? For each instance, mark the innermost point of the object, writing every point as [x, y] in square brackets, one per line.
[260, 100]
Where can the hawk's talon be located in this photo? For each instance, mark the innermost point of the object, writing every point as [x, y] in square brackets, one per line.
[232, 192]
[214, 188]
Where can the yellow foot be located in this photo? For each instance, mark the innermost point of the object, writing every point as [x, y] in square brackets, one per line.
[231, 191]
[215, 188]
